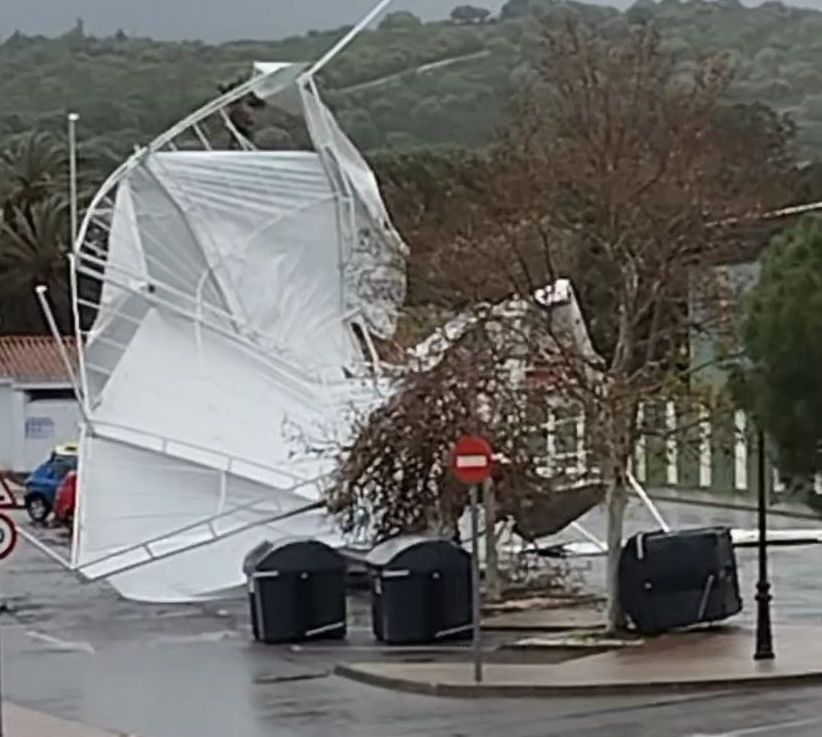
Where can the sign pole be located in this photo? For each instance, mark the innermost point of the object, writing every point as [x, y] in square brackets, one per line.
[476, 612]
[2, 710]
[8, 541]
[472, 464]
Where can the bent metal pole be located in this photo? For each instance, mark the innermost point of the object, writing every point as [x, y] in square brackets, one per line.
[73, 209]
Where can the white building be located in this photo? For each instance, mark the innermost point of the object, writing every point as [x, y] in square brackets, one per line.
[38, 409]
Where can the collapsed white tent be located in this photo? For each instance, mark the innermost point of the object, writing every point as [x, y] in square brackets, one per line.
[234, 293]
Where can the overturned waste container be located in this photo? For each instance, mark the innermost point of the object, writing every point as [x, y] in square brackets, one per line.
[677, 579]
[296, 591]
[420, 590]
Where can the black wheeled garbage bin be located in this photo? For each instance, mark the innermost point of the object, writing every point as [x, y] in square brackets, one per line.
[420, 590]
[677, 579]
[296, 591]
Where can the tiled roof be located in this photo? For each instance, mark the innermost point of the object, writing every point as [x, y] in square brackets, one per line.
[34, 358]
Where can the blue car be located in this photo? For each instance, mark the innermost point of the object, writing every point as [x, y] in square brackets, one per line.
[42, 484]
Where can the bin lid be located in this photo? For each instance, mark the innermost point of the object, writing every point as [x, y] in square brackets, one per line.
[255, 555]
[417, 553]
[293, 554]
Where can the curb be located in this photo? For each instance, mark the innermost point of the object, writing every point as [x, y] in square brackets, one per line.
[24, 722]
[482, 690]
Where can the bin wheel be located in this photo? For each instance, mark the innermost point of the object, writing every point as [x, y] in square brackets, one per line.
[38, 508]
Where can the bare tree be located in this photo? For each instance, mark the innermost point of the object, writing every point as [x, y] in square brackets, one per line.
[618, 169]
[467, 379]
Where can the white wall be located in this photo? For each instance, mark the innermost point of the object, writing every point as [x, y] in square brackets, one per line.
[50, 422]
[7, 427]
[58, 417]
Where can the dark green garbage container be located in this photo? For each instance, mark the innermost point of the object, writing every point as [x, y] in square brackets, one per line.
[296, 591]
[420, 590]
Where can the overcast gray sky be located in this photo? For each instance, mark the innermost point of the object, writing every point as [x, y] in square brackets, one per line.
[211, 20]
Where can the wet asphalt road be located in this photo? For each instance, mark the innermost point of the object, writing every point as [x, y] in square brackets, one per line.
[79, 652]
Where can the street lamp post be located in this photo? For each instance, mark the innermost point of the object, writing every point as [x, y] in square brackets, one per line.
[72, 141]
[764, 636]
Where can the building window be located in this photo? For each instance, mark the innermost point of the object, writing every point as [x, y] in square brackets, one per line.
[39, 428]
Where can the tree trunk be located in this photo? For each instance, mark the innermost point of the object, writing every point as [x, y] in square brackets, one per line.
[617, 500]
[492, 583]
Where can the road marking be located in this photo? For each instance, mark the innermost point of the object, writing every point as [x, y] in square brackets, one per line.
[762, 729]
[78, 647]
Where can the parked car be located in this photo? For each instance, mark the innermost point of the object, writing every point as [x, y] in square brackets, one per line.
[41, 485]
[66, 500]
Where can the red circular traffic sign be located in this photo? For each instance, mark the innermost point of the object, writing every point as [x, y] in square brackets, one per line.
[471, 460]
[8, 536]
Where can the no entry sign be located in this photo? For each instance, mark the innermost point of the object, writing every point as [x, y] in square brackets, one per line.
[8, 536]
[471, 461]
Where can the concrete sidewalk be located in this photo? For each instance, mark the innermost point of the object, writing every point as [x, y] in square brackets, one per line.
[20, 722]
[718, 658]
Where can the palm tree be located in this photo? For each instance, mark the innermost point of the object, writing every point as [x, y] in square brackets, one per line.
[34, 230]
[34, 241]
[32, 168]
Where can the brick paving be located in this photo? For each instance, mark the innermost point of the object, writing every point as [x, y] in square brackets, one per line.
[720, 657]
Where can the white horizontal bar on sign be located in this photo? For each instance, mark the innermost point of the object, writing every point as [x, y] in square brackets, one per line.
[477, 461]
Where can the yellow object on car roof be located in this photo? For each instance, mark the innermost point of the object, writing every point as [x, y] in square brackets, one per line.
[67, 449]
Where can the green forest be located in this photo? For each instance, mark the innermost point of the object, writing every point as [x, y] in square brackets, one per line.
[128, 89]
[422, 99]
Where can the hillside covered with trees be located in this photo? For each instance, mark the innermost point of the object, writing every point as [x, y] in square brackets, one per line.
[404, 84]
[427, 101]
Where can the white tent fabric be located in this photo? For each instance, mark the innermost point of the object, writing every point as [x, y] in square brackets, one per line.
[558, 304]
[266, 222]
[220, 367]
[178, 557]
[374, 253]
[191, 425]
